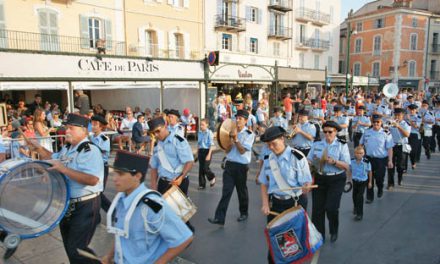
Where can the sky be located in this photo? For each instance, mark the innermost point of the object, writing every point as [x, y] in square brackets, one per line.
[346, 5]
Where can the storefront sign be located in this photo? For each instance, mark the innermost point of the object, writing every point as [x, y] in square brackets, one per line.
[232, 72]
[300, 75]
[26, 65]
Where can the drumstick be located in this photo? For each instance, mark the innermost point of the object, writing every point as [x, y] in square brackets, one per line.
[87, 254]
[273, 213]
[298, 188]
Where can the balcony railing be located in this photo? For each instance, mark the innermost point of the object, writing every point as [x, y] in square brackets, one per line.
[435, 48]
[434, 75]
[281, 33]
[316, 17]
[318, 44]
[280, 5]
[55, 43]
[155, 51]
[230, 23]
[301, 43]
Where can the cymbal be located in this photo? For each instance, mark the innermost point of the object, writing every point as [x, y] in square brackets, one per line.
[224, 141]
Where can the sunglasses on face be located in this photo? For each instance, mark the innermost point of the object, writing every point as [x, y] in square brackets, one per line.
[328, 131]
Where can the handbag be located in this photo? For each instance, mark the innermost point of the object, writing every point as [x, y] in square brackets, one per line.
[406, 148]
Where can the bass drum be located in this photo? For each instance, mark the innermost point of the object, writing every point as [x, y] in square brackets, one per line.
[33, 200]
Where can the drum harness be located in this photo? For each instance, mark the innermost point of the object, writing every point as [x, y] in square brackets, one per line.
[111, 219]
[165, 162]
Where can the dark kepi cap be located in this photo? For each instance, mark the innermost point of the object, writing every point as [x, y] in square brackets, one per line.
[165, 111]
[412, 106]
[410, 96]
[100, 119]
[174, 112]
[425, 102]
[361, 107]
[155, 123]
[376, 117]
[76, 120]
[337, 108]
[276, 109]
[332, 124]
[272, 133]
[399, 110]
[303, 112]
[242, 113]
[130, 162]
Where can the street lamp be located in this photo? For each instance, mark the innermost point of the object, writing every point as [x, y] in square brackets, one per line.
[347, 62]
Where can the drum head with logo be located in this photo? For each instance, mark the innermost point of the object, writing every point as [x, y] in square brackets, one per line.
[32, 199]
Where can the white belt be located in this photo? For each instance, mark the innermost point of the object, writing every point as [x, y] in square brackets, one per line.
[84, 198]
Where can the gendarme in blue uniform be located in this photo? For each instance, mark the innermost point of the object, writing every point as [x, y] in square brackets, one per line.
[143, 246]
[363, 119]
[377, 143]
[299, 141]
[337, 150]
[246, 139]
[103, 143]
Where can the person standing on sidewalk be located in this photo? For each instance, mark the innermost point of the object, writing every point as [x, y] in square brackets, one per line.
[379, 147]
[205, 142]
[236, 168]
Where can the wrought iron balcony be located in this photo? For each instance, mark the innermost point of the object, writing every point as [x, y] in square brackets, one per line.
[318, 45]
[156, 51]
[280, 5]
[316, 17]
[20, 40]
[281, 33]
[230, 23]
[434, 75]
[435, 48]
[301, 43]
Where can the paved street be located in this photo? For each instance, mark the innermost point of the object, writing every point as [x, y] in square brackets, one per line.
[402, 227]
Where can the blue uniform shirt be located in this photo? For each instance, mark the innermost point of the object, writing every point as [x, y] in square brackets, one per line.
[428, 120]
[360, 170]
[205, 139]
[437, 116]
[337, 150]
[295, 171]
[252, 121]
[87, 161]
[342, 120]
[143, 246]
[363, 119]
[263, 152]
[398, 138]
[279, 121]
[177, 151]
[103, 142]
[316, 113]
[299, 141]
[177, 129]
[377, 143]
[246, 138]
[417, 120]
[370, 108]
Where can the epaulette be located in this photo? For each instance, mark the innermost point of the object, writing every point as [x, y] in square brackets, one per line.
[68, 145]
[85, 146]
[266, 156]
[298, 154]
[155, 206]
[365, 159]
[419, 116]
[342, 141]
[248, 131]
[104, 137]
[181, 139]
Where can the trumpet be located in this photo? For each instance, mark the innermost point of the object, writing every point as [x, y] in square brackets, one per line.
[292, 134]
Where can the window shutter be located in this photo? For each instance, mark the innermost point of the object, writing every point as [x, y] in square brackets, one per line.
[171, 45]
[260, 16]
[2, 13]
[186, 45]
[84, 30]
[3, 35]
[248, 13]
[160, 42]
[186, 3]
[108, 35]
[234, 9]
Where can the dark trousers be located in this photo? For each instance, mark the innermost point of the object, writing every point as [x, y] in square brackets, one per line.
[426, 141]
[304, 151]
[356, 138]
[234, 175]
[105, 202]
[416, 145]
[435, 135]
[326, 201]
[77, 229]
[358, 196]
[400, 161]
[378, 167]
[280, 206]
[204, 170]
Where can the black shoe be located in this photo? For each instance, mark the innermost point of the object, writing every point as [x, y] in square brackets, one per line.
[358, 218]
[215, 221]
[400, 182]
[390, 187]
[368, 201]
[379, 193]
[333, 238]
[242, 218]
[428, 156]
[201, 188]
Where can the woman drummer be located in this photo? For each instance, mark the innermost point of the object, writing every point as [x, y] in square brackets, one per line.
[283, 168]
[331, 159]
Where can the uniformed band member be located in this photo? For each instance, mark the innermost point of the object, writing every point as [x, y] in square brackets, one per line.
[103, 143]
[283, 168]
[154, 233]
[414, 139]
[334, 158]
[436, 128]
[173, 123]
[205, 142]
[343, 121]
[171, 161]
[305, 133]
[360, 122]
[81, 161]
[278, 119]
[428, 119]
[235, 174]
[360, 168]
[400, 131]
[378, 144]
[316, 114]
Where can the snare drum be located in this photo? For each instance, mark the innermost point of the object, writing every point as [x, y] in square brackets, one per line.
[180, 203]
[292, 237]
[33, 200]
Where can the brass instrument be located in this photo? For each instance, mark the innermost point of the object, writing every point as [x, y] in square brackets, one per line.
[292, 134]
